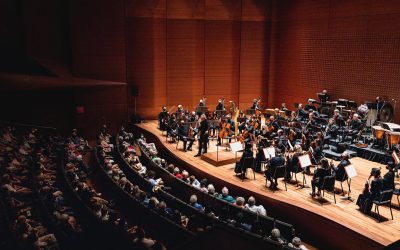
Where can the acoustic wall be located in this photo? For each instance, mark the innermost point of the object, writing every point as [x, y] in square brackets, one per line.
[350, 48]
[180, 50]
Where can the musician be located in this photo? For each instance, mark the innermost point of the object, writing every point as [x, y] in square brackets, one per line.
[182, 132]
[201, 103]
[256, 105]
[340, 171]
[371, 191]
[319, 174]
[301, 113]
[293, 161]
[161, 117]
[220, 105]
[331, 131]
[225, 130]
[355, 125]
[388, 178]
[325, 97]
[379, 104]
[203, 135]
[310, 106]
[337, 117]
[247, 152]
[281, 140]
[260, 157]
[273, 124]
[283, 107]
[180, 109]
[275, 162]
[193, 117]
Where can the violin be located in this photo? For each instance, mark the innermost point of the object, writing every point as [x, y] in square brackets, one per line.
[244, 136]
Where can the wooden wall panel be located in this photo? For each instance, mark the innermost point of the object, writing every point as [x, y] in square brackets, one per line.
[146, 63]
[185, 62]
[353, 52]
[222, 52]
[98, 41]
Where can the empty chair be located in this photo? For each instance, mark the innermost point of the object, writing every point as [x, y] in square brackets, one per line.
[385, 198]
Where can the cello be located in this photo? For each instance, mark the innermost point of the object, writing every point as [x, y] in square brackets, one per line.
[225, 129]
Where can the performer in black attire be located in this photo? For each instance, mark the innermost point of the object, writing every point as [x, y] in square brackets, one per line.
[247, 152]
[203, 135]
[355, 125]
[301, 113]
[161, 118]
[371, 191]
[275, 162]
[331, 131]
[201, 103]
[388, 178]
[319, 175]
[340, 171]
[325, 97]
[183, 135]
[309, 106]
[255, 105]
[220, 105]
[283, 107]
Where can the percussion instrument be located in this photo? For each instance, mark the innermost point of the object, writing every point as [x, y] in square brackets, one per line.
[270, 112]
[379, 132]
[393, 138]
[386, 112]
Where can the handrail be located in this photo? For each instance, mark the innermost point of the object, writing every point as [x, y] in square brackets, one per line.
[27, 125]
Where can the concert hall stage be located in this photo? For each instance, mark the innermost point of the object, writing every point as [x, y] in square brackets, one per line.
[324, 225]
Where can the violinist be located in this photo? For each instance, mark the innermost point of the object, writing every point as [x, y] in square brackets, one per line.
[203, 135]
[293, 117]
[182, 132]
[272, 124]
[281, 141]
[193, 117]
[319, 174]
[260, 157]
[331, 131]
[275, 162]
[301, 113]
[220, 105]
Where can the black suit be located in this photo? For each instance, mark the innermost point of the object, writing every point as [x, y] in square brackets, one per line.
[388, 180]
[318, 178]
[246, 153]
[203, 136]
[220, 106]
[273, 164]
[182, 132]
[340, 171]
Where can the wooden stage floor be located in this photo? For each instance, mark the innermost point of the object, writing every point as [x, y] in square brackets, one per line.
[343, 212]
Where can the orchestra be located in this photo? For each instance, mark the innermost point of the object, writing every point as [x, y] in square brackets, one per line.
[292, 133]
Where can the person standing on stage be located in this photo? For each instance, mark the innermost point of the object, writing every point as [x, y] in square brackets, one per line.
[203, 135]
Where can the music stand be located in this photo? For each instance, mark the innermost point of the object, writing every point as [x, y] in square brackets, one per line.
[340, 122]
[235, 148]
[304, 162]
[201, 109]
[351, 173]
[241, 119]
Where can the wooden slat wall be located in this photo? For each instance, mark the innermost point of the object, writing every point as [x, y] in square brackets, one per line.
[180, 50]
[350, 48]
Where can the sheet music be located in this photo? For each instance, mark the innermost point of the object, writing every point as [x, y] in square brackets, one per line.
[266, 154]
[351, 171]
[395, 157]
[305, 161]
[236, 146]
[271, 151]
